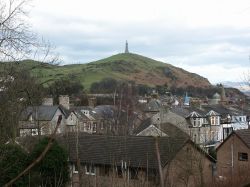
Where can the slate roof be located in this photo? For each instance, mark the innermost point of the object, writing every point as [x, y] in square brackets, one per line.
[136, 151]
[152, 106]
[42, 113]
[168, 128]
[92, 114]
[244, 134]
[145, 124]
[173, 131]
[186, 111]
[80, 115]
[220, 109]
[183, 112]
[217, 108]
[105, 111]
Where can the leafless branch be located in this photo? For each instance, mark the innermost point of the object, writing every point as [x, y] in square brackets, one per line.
[41, 156]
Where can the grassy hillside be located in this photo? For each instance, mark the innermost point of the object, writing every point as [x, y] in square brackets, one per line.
[125, 66]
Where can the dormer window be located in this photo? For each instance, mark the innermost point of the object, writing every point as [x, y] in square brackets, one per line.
[214, 120]
[213, 117]
[85, 112]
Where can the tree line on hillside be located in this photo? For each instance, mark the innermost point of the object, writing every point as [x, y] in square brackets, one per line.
[110, 85]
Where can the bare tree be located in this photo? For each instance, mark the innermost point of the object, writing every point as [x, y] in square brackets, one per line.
[16, 40]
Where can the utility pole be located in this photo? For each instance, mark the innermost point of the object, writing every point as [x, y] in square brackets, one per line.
[159, 162]
[77, 154]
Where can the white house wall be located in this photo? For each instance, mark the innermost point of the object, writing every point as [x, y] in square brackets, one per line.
[54, 122]
[71, 120]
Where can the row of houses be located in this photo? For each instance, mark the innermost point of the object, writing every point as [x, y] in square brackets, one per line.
[206, 124]
[41, 120]
[107, 160]
[158, 142]
[145, 160]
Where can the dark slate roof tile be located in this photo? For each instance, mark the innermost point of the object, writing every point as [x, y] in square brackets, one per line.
[105, 111]
[145, 124]
[180, 111]
[41, 113]
[136, 151]
[244, 134]
[153, 106]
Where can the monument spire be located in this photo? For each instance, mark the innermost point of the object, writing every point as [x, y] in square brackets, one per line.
[126, 47]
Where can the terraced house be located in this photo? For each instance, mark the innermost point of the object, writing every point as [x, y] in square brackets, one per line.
[137, 161]
[207, 125]
[42, 120]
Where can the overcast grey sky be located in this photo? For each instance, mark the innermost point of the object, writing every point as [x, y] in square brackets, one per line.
[208, 37]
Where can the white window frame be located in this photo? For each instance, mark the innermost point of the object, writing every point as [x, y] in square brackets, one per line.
[88, 126]
[102, 126]
[90, 169]
[74, 169]
[35, 132]
[85, 129]
[214, 120]
[205, 121]
[196, 122]
[94, 127]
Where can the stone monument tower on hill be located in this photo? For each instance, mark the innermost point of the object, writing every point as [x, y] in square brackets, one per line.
[126, 47]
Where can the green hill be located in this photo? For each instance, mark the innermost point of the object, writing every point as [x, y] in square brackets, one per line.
[124, 66]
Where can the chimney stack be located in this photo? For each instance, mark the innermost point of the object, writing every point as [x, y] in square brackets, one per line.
[48, 101]
[64, 101]
[92, 101]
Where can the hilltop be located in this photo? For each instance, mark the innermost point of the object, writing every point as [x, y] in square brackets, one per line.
[143, 70]
[124, 66]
